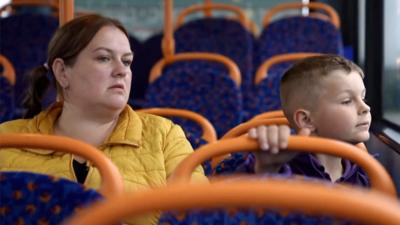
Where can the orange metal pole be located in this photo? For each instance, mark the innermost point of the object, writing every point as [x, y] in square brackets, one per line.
[168, 43]
[66, 11]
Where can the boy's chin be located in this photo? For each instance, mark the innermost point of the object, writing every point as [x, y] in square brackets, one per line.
[360, 138]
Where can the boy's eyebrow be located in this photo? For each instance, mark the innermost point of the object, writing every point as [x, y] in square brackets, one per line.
[363, 92]
[110, 51]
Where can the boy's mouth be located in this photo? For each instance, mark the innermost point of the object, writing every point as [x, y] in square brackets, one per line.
[363, 124]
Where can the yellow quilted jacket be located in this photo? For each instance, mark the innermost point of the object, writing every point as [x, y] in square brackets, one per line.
[145, 148]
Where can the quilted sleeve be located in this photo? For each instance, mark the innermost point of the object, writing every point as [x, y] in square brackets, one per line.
[176, 148]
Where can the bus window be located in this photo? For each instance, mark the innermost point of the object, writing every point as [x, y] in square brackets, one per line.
[391, 75]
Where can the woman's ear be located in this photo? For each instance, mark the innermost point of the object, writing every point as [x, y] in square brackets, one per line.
[59, 70]
[303, 120]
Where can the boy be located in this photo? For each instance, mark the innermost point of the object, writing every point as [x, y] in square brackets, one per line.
[321, 96]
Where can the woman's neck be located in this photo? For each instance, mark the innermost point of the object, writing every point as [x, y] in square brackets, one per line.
[332, 164]
[91, 127]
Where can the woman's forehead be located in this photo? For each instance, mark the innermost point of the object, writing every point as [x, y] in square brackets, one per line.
[112, 38]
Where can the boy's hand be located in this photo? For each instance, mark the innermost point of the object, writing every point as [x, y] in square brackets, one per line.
[271, 139]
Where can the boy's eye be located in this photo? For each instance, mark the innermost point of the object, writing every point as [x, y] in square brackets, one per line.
[346, 102]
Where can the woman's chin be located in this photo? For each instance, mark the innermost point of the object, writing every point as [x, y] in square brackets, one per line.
[117, 104]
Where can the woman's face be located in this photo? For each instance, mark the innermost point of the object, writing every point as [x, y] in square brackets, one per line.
[101, 76]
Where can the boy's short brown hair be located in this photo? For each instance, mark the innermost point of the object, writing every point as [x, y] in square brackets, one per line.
[300, 84]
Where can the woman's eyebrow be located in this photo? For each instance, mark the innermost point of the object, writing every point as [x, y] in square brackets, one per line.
[111, 51]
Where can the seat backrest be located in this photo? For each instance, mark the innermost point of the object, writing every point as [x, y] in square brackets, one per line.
[48, 7]
[208, 84]
[111, 178]
[31, 198]
[139, 81]
[7, 69]
[207, 132]
[149, 54]
[24, 40]
[308, 198]
[7, 81]
[265, 94]
[217, 35]
[379, 178]
[322, 11]
[299, 33]
[7, 101]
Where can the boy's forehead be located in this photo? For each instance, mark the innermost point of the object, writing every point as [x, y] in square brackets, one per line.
[340, 81]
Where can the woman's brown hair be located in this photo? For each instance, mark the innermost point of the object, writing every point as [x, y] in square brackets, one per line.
[67, 42]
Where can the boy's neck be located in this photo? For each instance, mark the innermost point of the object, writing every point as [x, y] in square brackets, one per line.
[332, 164]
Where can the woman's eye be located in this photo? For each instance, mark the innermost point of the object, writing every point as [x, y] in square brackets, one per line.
[127, 62]
[103, 58]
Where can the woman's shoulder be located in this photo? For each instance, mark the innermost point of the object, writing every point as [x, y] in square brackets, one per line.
[154, 120]
[14, 126]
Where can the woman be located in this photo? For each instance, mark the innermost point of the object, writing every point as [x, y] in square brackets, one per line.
[89, 61]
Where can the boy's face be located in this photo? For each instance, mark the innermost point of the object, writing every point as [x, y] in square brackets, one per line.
[341, 111]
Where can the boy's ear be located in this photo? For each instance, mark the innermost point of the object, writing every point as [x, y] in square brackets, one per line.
[60, 74]
[303, 120]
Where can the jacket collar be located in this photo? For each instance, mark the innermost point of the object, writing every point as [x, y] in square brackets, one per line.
[128, 130]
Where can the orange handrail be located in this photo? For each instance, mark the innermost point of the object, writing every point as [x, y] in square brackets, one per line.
[380, 179]
[354, 204]
[209, 133]
[234, 71]
[111, 184]
[269, 114]
[262, 71]
[209, 6]
[320, 16]
[242, 129]
[8, 70]
[334, 18]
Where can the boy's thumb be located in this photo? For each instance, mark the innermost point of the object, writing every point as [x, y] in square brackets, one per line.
[304, 132]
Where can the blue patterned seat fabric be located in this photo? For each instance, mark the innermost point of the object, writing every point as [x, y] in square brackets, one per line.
[146, 56]
[248, 216]
[266, 95]
[298, 34]
[136, 66]
[244, 217]
[24, 40]
[29, 198]
[7, 106]
[194, 134]
[197, 141]
[218, 35]
[200, 86]
[236, 164]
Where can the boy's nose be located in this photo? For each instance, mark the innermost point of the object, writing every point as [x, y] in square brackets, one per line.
[364, 108]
